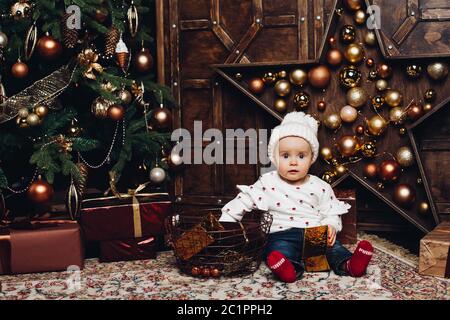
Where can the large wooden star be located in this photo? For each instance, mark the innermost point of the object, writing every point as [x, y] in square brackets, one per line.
[389, 142]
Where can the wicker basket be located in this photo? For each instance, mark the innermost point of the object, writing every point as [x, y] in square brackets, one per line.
[235, 249]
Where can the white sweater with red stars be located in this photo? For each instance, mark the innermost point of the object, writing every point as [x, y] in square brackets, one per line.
[310, 205]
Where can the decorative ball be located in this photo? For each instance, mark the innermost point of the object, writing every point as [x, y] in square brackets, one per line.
[256, 86]
[319, 77]
[413, 71]
[430, 95]
[349, 77]
[380, 186]
[282, 88]
[143, 61]
[376, 125]
[238, 76]
[321, 105]
[353, 5]
[298, 77]
[381, 85]
[368, 149]
[40, 192]
[389, 170]
[333, 121]
[359, 129]
[269, 78]
[162, 118]
[404, 195]
[402, 131]
[370, 38]
[215, 273]
[397, 115]
[33, 119]
[423, 208]
[340, 170]
[370, 170]
[125, 96]
[357, 97]
[348, 145]
[19, 70]
[301, 100]
[326, 153]
[348, 34]
[332, 42]
[334, 162]
[74, 130]
[175, 161]
[23, 112]
[282, 74]
[22, 122]
[415, 111]
[393, 98]
[195, 271]
[354, 53]
[404, 156]
[329, 177]
[49, 48]
[101, 14]
[437, 70]
[100, 107]
[157, 175]
[427, 107]
[384, 70]
[41, 111]
[334, 57]
[3, 40]
[377, 101]
[373, 75]
[360, 17]
[348, 114]
[116, 112]
[370, 62]
[280, 105]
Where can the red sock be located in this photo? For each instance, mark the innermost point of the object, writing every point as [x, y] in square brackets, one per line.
[357, 264]
[281, 266]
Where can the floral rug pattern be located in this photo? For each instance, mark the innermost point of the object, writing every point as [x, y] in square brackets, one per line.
[388, 277]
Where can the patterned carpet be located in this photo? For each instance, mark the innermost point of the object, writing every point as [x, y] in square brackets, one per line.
[391, 275]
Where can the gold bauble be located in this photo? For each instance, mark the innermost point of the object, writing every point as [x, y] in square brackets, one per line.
[377, 101]
[348, 145]
[326, 153]
[282, 74]
[376, 125]
[397, 115]
[329, 177]
[33, 119]
[340, 170]
[301, 100]
[23, 112]
[427, 107]
[333, 121]
[282, 88]
[334, 162]
[402, 131]
[348, 114]
[125, 96]
[280, 105]
[381, 85]
[100, 107]
[354, 53]
[349, 77]
[348, 34]
[256, 86]
[357, 97]
[437, 70]
[353, 5]
[41, 111]
[368, 149]
[360, 17]
[269, 78]
[424, 208]
[370, 38]
[404, 156]
[298, 77]
[393, 98]
[22, 122]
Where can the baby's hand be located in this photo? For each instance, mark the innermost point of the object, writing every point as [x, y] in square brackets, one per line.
[331, 236]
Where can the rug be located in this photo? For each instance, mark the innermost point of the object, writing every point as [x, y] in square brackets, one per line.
[392, 274]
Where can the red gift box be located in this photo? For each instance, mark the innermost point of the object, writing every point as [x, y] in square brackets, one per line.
[40, 247]
[129, 249]
[128, 217]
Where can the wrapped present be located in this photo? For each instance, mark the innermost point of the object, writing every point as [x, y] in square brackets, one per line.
[314, 249]
[434, 259]
[126, 217]
[40, 247]
[129, 249]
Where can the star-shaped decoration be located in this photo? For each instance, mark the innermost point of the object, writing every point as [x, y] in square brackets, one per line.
[393, 137]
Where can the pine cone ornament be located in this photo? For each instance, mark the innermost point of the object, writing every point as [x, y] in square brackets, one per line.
[70, 36]
[112, 38]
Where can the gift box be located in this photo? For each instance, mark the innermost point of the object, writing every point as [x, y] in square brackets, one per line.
[127, 217]
[129, 249]
[434, 259]
[40, 247]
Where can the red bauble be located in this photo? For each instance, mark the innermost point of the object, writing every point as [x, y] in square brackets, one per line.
[40, 192]
[319, 77]
[370, 170]
[143, 61]
[162, 118]
[49, 48]
[404, 195]
[321, 105]
[415, 111]
[116, 112]
[19, 70]
[359, 129]
[384, 70]
[256, 86]
[389, 170]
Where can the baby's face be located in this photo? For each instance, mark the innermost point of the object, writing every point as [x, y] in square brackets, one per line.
[295, 159]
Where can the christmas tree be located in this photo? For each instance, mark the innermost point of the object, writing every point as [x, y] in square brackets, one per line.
[77, 91]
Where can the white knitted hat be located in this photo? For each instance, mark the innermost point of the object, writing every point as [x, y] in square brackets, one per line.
[297, 124]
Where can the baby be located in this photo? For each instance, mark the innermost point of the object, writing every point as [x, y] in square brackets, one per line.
[297, 200]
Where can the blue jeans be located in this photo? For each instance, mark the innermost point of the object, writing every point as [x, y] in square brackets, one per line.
[290, 243]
